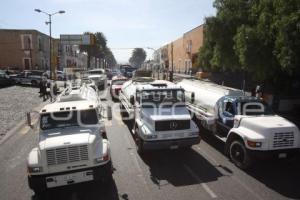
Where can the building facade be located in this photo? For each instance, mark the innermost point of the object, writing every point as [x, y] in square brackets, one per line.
[24, 49]
[71, 57]
[182, 53]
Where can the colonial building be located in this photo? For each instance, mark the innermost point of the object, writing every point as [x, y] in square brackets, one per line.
[24, 49]
[71, 57]
[182, 53]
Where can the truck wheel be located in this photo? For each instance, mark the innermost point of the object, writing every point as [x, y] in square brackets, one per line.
[238, 154]
[123, 111]
[139, 144]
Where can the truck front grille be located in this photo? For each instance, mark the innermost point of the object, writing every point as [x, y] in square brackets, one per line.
[67, 155]
[172, 125]
[285, 139]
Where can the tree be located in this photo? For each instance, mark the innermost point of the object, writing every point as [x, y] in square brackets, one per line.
[99, 49]
[138, 57]
[260, 37]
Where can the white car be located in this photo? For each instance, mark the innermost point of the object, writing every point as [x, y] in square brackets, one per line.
[59, 75]
[100, 81]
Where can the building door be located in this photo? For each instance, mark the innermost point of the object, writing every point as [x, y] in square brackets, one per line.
[26, 63]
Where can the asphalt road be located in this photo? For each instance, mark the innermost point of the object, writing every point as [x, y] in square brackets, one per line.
[201, 172]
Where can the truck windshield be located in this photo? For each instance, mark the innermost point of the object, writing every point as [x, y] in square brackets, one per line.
[255, 108]
[157, 97]
[68, 118]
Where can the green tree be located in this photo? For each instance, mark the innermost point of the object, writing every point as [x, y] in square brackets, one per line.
[260, 37]
[138, 57]
[99, 49]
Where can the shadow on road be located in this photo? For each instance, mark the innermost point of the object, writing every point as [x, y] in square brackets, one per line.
[85, 191]
[175, 167]
[280, 176]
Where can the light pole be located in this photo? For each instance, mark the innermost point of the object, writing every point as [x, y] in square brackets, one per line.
[50, 32]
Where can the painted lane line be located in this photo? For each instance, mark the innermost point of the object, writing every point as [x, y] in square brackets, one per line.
[203, 185]
[208, 157]
[216, 163]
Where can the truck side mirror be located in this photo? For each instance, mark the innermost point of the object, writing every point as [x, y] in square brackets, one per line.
[132, 100]
[109, 113]
[193, 97]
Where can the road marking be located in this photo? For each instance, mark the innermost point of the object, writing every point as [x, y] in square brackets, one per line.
[216, 163]
[208, 157]
[203, 185]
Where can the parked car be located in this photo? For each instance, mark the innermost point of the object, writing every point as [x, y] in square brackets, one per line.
[5, 80]
[60, 75]
[29, 77]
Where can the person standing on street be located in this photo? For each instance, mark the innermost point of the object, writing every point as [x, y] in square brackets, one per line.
[44, 89]
[48, 89]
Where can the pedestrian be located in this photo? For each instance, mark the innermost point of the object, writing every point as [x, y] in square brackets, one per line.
[44, 89]
[48, 89]
[259, 91]
[55, 90]
[41, 87]
[253, 92]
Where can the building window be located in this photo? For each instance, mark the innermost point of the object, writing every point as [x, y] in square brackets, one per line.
[26, 41]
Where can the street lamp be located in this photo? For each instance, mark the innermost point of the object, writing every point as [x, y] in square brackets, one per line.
[50, 39]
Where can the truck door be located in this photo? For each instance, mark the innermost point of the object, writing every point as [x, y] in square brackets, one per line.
[226, 118]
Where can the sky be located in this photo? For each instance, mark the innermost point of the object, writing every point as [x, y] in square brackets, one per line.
[127, 24]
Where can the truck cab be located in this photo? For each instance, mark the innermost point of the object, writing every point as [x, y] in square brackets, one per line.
[160, 116]
[72, 145]
[231, 106]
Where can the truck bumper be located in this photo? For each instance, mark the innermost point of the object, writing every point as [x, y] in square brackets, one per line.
[274, 154]
[170, 144]
[100, 173]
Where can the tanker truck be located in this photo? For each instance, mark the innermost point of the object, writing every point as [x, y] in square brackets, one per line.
[158, 113]
[247, 125]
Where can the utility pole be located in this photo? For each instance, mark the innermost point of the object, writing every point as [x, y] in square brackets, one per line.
[50, 33]
[172, 69]
[50, 46]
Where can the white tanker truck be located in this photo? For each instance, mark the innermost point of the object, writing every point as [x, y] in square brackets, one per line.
[246, 124]
[159, 114]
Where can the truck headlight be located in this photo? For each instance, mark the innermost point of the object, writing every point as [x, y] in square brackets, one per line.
[150, 136]
[101, 159]
[35, 169]
[254, 144]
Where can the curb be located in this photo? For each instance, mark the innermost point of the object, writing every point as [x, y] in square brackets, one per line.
[19, 125]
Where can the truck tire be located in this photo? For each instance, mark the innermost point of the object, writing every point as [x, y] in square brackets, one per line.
[139, 143]
[123, 111]
[239, 155]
